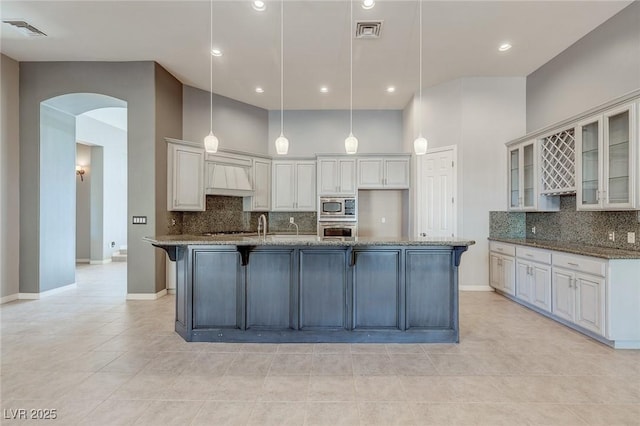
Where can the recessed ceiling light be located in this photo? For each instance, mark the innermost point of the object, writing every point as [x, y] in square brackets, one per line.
[368, 4]
[259, 5]
[504, 47]
[391, 89]
[324, 89]
[216, 52]
[259, 90]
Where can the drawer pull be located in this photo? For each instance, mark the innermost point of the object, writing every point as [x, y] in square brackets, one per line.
[573, 264]
[499, 249]
[528, 255]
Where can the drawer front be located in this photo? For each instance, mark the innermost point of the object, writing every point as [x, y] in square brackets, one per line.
[587, 265]
[503, 248]
[535, 255]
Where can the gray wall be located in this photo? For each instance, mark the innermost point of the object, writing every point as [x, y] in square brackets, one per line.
[83, 204]
[323, 131]
[9, 177]
[168, 114]
[478, 115]
[57, 201]
[97, 202]
[599, 67]
[237, 125]
[114, 181]
[132, 82]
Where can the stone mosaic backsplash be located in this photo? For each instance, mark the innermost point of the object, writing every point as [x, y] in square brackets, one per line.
[226, 214]
[569, 225]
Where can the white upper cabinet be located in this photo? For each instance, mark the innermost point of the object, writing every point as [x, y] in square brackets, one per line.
[293, 185]
[261, 181]
[336, 176]
[523, 191]
[185, 178]
[606, 161]
[383, 172]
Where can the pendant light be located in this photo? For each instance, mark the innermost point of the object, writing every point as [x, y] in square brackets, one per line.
[282, 143]
[211, 141]
[351, 142]
[420, 144]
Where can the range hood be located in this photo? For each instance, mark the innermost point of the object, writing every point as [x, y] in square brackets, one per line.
[228, 176]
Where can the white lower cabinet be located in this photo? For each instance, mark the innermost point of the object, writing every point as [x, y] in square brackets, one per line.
[502, 269]
[600, 297]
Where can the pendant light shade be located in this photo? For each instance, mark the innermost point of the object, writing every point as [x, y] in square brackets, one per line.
[282, 145]
[351, 144]
[211, 141]
[420, 145]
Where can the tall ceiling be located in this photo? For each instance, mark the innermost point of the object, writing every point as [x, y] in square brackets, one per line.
[460, 39]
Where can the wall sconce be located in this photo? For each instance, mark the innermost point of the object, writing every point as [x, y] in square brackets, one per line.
[80, 172]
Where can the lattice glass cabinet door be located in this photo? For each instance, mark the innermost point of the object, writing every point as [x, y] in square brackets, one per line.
[528, 176]
[514, 178]
[591, 138]
[617, 166]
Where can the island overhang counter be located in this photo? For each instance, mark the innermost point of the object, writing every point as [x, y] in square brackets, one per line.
[303, 289]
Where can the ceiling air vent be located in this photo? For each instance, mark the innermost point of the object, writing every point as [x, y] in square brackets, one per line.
[25, 28]
[368, 29]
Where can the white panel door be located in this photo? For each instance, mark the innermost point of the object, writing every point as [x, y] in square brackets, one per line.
[436, 195]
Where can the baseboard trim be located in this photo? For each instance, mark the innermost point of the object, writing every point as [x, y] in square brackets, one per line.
[53, 291]
[171, 291]
[146, 296]
[83, 260]
[475, 288]
[9, 298]
[100, 262]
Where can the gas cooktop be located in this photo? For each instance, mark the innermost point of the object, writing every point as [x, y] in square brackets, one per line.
[214, 233]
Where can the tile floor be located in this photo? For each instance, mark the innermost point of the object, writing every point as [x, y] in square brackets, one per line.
[100, 360]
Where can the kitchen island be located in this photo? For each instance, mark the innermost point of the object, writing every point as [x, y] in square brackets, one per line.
[304, 289]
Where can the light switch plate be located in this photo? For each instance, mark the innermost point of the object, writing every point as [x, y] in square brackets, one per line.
[631, 237]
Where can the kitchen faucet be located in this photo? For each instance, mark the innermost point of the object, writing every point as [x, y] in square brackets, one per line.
[262, 224]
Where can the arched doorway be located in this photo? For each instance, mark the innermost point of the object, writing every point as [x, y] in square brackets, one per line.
[82, 215]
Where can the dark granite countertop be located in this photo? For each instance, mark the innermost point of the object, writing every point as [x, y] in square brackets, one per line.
[301, 240]
[574, 248]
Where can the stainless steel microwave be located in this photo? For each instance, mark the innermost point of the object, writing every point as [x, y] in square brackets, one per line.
[337, 209]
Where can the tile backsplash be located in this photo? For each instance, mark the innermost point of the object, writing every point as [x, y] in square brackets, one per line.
[226, 214]
[569, 225]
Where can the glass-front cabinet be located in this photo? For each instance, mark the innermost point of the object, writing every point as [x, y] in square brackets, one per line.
[523, 185]
[606, 161]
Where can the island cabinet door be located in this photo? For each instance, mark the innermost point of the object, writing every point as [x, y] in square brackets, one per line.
[429, 289]
[376, 288]
[323, 288]
[216, 289]
[270, 289]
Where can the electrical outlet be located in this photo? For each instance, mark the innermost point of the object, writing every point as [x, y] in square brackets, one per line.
[631, 237]
[383, 220]
[612, 236]
[533, 230]
[291, 219]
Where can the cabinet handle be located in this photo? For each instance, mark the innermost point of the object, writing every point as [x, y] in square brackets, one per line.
[499, 249]
[528, 255]
[577, 265]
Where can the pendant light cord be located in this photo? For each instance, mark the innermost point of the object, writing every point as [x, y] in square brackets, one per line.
[211, 66]
[281, 67]
[351, 69]
[420, 77]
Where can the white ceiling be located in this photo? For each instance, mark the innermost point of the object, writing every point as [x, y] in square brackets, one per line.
[460, 39]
